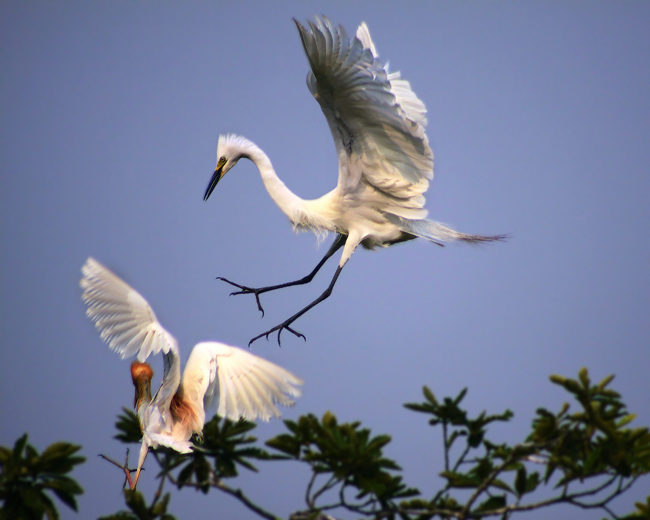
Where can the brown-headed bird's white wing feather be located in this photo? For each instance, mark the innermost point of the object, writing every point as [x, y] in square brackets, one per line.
[128, 324]
[237, 383]
[122, 316]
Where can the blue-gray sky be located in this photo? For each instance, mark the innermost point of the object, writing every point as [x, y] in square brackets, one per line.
[539, 118]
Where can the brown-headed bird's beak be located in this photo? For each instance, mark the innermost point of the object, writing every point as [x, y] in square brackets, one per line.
[216, 177]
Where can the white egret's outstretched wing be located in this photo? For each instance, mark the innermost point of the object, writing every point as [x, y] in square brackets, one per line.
[128, 324]
[377, 122]
[238, 383]
[412, 105]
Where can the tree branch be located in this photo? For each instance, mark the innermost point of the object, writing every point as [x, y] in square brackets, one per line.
[444, 440]
[486, 483]
[237, 493]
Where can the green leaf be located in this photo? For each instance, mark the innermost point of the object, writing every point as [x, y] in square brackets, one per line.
[454, 435]
[19, 447]
[48, 507]
[136, 502]
[625, 420]
[558, 380]
[57, 458]
[65, 484]
[286, 444]
[128, 427]
[428, 395]
[461, 480]
[500, 484]
[66, 498]
[423, 408]
[521, 480]
[5, 454]
[161, 507]
[25, 476]
[185, 475]
[601, 386]
[460, 396]
[492, 503]
[532, 482]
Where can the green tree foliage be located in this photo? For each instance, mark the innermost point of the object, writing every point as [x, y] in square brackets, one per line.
[584, 457]
[139, 510]
[587, 457]
[348, 458]
[26, 478]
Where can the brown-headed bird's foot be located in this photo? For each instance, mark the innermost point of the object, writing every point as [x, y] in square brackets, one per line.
[125, 468]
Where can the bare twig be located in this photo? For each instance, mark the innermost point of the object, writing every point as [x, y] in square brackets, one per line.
[602, 503]
[162, 483]
[444, 440]
[461, 459]
[331, 482]
[238, 494]
[486, 483]
[307, 493]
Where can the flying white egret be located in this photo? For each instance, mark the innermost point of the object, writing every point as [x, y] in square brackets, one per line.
[237, 382]
[385, 162]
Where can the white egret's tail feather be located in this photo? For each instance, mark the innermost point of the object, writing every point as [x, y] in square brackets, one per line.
[438, 233]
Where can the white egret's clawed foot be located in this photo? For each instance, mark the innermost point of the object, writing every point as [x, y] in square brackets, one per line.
[125, 468]
[338, 243]
[285, 324]
[247, 290]
[279, 329]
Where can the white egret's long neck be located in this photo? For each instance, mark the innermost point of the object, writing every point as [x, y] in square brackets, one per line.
[286, 200]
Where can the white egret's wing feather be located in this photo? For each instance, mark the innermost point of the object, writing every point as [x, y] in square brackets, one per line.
[128, 324]
[412, 106]
[237, 383]
[363, 34]
[377, 122]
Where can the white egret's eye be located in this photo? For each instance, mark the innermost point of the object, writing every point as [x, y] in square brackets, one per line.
[222, 161]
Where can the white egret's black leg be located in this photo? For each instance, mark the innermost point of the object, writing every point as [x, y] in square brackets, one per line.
[338, 243]
[285, 324]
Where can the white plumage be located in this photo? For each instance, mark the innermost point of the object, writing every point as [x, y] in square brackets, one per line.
[385, 161]
[234, 381]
